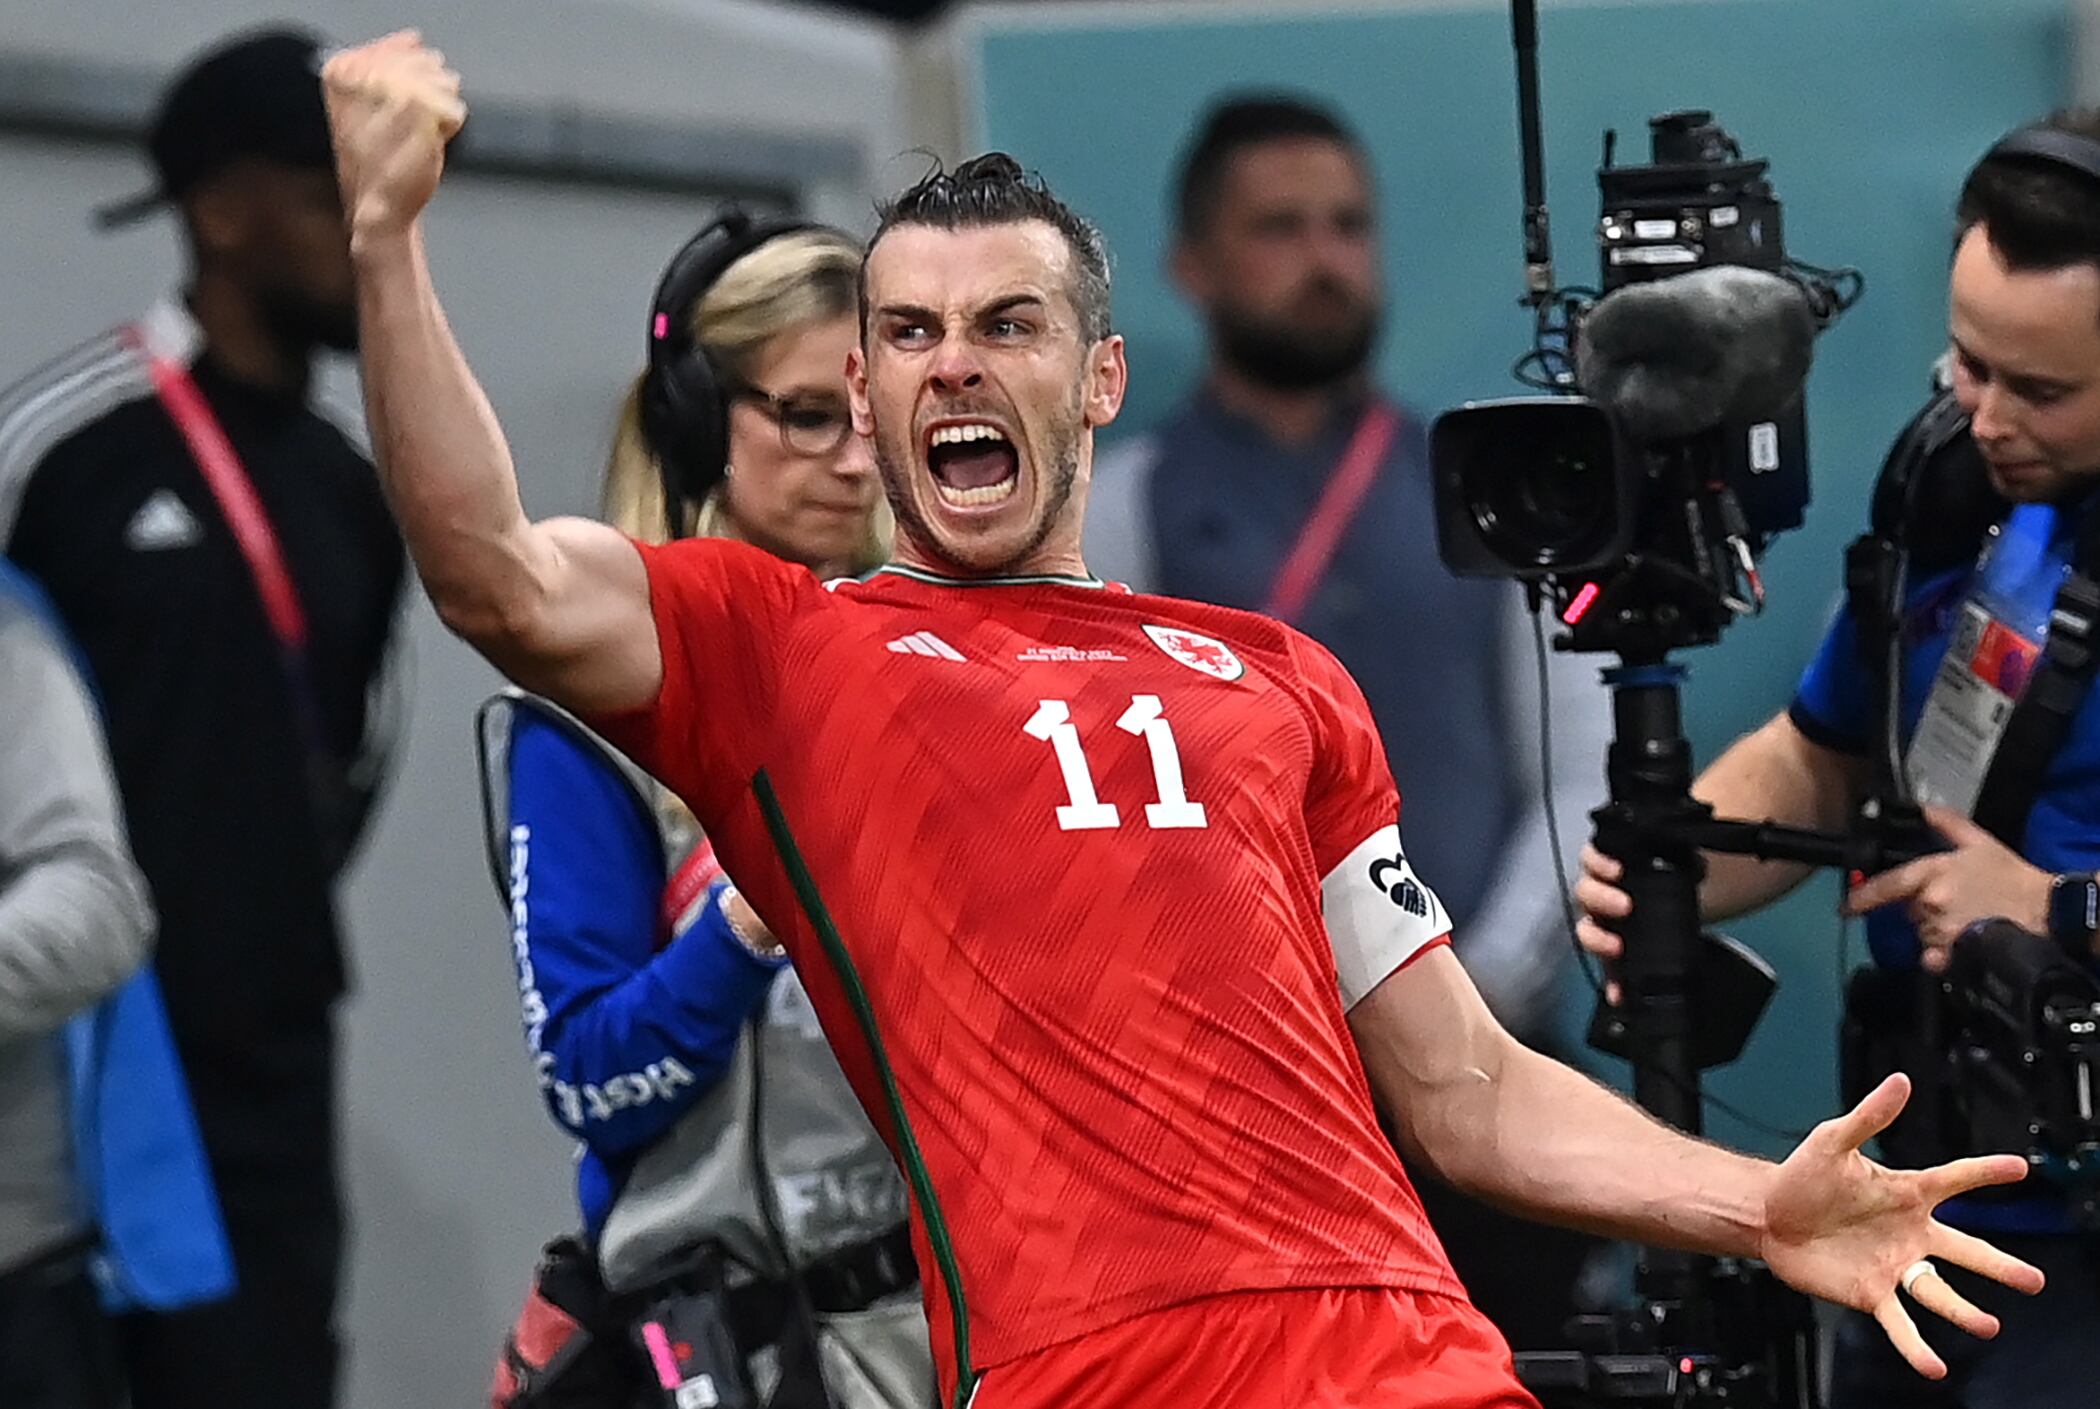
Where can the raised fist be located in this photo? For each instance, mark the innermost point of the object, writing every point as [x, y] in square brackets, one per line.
[392, 107]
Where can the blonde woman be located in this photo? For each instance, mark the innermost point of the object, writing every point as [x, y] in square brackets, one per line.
[743, 1232]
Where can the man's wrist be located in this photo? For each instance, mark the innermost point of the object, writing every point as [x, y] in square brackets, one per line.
[375, 243]
[1746, 1233]
[1718, 1202]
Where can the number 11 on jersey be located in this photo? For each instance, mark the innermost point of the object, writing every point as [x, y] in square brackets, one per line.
[1146, 718]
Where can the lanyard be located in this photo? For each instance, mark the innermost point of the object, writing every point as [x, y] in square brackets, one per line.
[228, 480]
[1304, 568]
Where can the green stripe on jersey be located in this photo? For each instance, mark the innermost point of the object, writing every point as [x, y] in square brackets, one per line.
[908, 1144]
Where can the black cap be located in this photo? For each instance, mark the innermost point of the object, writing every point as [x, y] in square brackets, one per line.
[258, 95]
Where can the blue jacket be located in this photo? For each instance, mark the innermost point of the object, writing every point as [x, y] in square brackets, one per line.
[627, 1036]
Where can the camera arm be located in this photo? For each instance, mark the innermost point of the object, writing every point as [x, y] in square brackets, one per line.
[1898, 834]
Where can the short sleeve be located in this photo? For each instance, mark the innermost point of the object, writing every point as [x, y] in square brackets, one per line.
[1831, 705]
[1379, 913]
[1351, 792]
[723, 613]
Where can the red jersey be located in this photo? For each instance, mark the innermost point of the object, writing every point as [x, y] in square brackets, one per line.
[1051, 859]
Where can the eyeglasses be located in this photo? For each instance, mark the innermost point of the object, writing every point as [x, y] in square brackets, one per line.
[809, 425]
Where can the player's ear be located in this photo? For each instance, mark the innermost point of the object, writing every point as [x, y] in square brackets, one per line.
[857, 392]
[1107, 379]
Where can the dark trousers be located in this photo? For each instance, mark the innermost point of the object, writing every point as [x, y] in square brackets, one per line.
[266, 1108]
[2043, 1358]
[57, 1350]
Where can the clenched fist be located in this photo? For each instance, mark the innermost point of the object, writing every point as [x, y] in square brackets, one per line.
[392, 107]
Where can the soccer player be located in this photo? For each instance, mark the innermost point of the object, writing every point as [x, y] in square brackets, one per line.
[1099, 896]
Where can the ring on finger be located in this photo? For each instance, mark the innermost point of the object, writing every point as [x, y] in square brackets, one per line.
[1921, 1268]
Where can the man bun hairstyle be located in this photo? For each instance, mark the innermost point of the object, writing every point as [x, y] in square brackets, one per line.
[993, 190]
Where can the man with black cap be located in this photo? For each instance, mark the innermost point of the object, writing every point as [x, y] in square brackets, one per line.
[225, 560]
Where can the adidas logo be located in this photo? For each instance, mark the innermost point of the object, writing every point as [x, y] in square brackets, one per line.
[163, 521]
[925, 643]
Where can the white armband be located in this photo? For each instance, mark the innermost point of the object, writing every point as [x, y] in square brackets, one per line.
[1379, 913]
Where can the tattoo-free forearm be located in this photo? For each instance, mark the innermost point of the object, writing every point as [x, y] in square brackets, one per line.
[561, 607]
[1524, 1132]
[1567, 1150]
[442, 458]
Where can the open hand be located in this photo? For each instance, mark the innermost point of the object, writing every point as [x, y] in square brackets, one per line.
[1946, 892]
[392, 107]
[1841, 1227]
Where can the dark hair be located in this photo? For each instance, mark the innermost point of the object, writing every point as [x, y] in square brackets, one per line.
[2037, 213]
[993, 190]
[1235, 123]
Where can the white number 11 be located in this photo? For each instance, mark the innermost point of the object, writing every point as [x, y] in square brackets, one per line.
[1146, 718]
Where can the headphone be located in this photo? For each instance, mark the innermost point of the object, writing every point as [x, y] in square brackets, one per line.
[2042, 143]
[685, 397]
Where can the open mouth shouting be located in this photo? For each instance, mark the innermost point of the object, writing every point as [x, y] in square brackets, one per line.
[973, 463]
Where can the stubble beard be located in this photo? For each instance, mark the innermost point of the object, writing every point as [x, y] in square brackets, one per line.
[1063, 468]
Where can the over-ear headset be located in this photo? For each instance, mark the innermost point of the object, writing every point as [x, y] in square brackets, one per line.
[2050, 144]
[685, 397]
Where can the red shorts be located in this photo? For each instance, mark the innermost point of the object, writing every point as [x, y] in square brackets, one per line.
[1349, 1348]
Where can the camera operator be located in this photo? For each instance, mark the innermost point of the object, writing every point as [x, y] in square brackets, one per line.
[2007, 461]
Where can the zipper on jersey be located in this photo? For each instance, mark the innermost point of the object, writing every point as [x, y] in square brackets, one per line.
[915, 1172]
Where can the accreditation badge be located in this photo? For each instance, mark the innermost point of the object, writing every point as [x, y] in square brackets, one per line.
[1981, 678]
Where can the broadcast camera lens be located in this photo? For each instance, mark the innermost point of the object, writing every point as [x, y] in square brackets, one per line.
[1535, 485]
[1542, 510]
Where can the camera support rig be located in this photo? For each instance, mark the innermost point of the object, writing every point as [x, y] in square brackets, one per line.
[1705, 1331]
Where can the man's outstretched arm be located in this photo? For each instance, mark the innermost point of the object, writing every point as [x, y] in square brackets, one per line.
[1525, 1132]
[561, 607]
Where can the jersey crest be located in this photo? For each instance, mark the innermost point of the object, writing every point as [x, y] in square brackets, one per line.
[1207, 654]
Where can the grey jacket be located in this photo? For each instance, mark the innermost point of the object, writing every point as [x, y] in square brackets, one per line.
[75, 920]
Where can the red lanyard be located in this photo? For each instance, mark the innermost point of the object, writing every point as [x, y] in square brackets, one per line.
[230, 485]
[1305, 567]
[242, 508]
